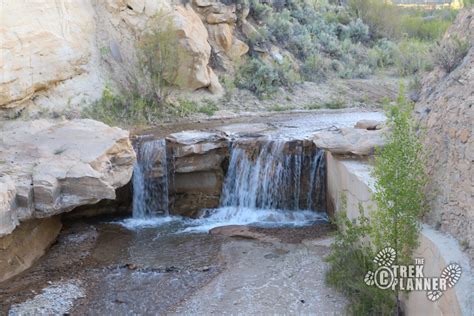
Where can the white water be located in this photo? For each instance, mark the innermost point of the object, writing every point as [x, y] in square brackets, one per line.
[150, 181]
[270, 183]
[266, 185]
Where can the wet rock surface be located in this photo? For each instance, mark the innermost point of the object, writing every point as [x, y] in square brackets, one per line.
[103, 268]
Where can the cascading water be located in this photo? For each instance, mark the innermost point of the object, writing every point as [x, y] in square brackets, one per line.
[271, 182]
[268, 182]
[150, 180]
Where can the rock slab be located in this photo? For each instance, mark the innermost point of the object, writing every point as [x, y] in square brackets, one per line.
[49, 168]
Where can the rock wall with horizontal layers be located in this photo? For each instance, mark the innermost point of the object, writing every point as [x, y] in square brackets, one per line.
[49, 168]
[57, 55]
[446, 110]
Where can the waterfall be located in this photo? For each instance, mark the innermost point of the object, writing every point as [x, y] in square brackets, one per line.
[271, 182]
[268, 182]
[317, 182]
[273, 176]
[150, 180]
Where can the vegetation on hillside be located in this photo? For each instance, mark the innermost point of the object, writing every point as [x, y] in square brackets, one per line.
[294, 41]
[321, 39]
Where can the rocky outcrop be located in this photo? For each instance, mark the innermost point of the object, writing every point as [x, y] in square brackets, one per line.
[26, 244]
[43, 45]
[194, 71]
[63, 59]
[198, 170]
[350, 141]
[50, 168]
[445, 110]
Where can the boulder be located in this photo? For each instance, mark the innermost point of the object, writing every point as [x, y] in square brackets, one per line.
[194, 73]
[222, 35]
[350, 141]
[238, 49]
[225, 17]
[50, 168]
[195, 142]
[369, 124]
[27, 243]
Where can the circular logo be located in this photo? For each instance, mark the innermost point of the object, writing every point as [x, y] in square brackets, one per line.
[384, 277]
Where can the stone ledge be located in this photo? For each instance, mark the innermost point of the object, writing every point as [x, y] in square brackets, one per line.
[47, 168]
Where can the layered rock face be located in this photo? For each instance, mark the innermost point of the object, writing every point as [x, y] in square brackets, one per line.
[50, 168]
[59, 54]
[446, 111]
[198, 160]
[26, 244]
[45, 43]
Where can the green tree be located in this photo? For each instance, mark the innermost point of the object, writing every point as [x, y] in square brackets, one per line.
[160, 57]
[400, 183]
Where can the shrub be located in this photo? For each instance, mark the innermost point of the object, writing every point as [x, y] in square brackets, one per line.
[259, 11]
[414, 57]
[280, 26]
[384, 54]
[315, 68]
[264, 78]
[382, 18]
[184, 107]
[350, 259]
[356, 30]
[160, 57]
[257, 76]
[123, 110]
[335, 104]
[424, 28]
[209, 108]
[450, 54]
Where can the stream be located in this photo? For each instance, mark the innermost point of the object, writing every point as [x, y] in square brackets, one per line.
[259, 252]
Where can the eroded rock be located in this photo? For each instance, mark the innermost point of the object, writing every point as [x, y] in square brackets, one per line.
[51, 168]
[350, 141]
[369, 124]
[26, 244]
[195, 72]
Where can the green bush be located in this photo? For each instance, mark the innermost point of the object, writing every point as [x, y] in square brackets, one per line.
[382, 18]
[356, 30]
[184, 107]
[384, 54]
[123, 110]
[209, 108]
[423, 28]
[414, 57]
[257, 76]
[160, 58]
[259, 11]
[399, 187]
[315, 68]
[335, 104]
[264, 78]
[450, 54]
[350, 259]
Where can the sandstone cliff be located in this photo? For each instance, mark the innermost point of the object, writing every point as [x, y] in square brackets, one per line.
[446, 111]
[58, 54]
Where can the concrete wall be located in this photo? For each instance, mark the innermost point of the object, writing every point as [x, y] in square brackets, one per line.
[438, 249]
